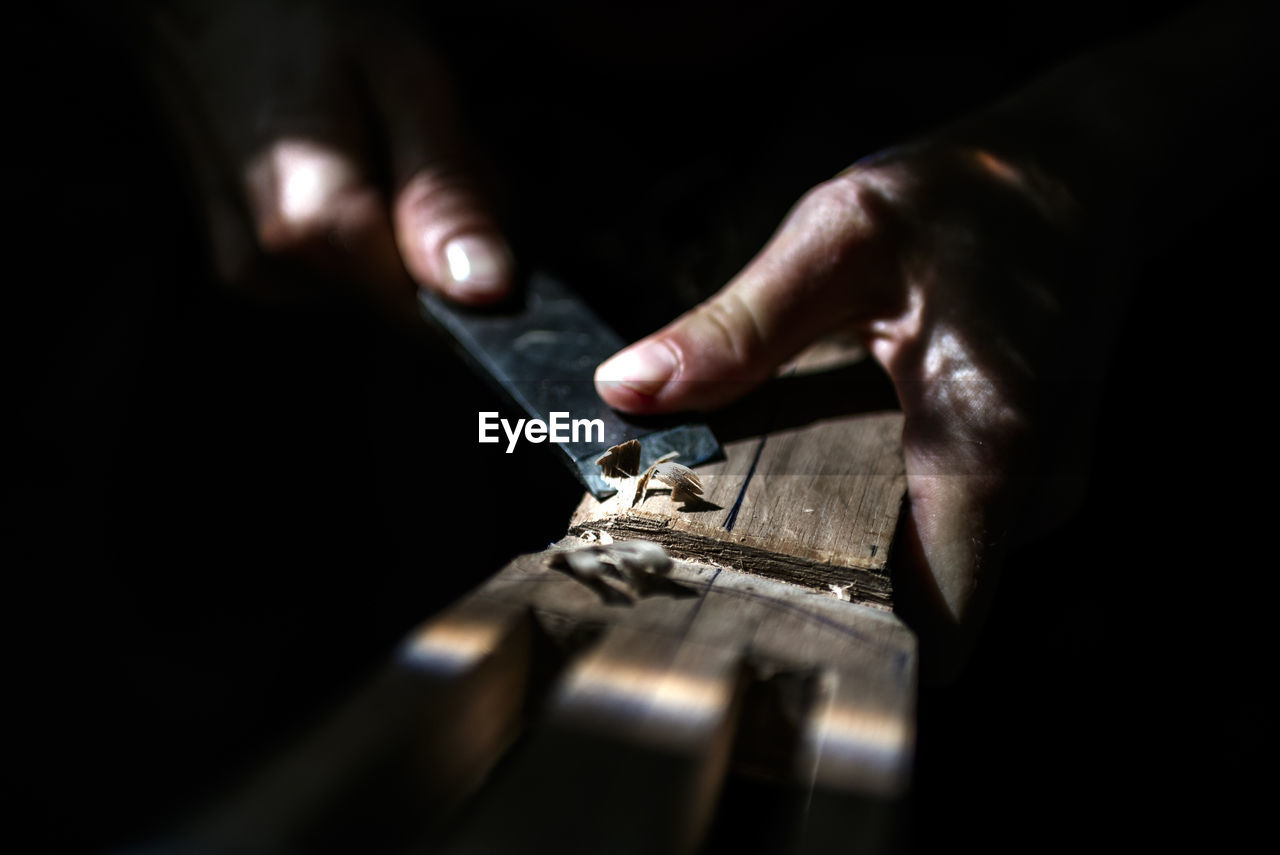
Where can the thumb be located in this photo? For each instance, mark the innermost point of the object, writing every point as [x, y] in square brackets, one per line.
[447, 235]
[823, 269]
[449, 240]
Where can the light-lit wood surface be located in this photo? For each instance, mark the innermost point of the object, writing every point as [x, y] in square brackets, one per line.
[602, 703]
[815, 505]
[652, 708]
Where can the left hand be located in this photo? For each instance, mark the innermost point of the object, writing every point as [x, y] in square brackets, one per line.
[953, 266]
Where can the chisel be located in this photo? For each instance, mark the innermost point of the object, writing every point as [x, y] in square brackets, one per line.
[541, 353]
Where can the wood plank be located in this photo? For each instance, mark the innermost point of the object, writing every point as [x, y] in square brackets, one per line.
[398, 757]
[655, 709]
[815, 506]
[653, 702]
[769, 652]
[865, 657]
[630, 757]
[815, 503]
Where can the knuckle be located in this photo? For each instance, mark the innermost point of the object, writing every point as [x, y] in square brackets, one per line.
[334, 222]
[303, 194]
[437, 205]
[437, 193]
[851, 208]
[836, 197]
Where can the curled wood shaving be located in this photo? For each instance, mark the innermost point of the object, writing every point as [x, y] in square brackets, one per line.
[620, 466]
[621, 461]
[684, 484]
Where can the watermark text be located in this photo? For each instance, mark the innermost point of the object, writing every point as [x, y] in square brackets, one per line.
[561, 428]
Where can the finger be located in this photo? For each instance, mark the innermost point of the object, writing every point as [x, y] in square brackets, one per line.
[824, 269]
[448, 240]
[276, 110]
[447, 236]
[311, 201]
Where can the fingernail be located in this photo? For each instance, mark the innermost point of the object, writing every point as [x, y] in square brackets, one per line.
[645, 368]
[479, 265]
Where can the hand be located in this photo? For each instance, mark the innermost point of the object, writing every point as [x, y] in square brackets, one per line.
[335, 136]
[958, 270]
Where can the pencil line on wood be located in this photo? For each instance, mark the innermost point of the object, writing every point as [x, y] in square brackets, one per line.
[693, 614]
[775, 394]
[737, 503]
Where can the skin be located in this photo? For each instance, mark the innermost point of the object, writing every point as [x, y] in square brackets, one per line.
[988, 268]
[288, 100]
[983, 265]
[966, 329]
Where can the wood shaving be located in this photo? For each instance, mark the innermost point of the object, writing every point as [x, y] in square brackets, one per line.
[619, 572]
[620, 466]
[841, 592]
[684, 484]
[621, 461]
[641, 489]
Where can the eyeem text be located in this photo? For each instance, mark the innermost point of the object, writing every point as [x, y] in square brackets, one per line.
[561, 428]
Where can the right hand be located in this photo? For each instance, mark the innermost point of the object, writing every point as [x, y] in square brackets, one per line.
[327, 137]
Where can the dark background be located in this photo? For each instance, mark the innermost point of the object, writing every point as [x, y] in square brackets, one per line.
[222, 514]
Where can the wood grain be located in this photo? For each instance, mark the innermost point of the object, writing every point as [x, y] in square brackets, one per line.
[586, 704]
[649, 717]
[815, 506]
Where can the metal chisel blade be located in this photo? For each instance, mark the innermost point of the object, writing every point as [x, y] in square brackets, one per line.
[542, 354]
